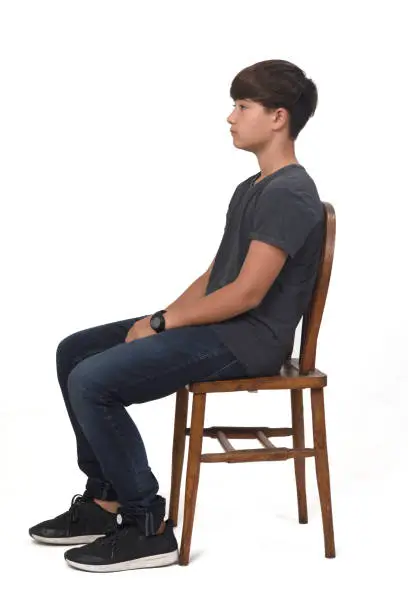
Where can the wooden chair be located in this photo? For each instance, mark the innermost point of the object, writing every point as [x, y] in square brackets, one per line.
[296, 375]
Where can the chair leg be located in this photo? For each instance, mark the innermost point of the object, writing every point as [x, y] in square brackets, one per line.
[299, 442]
[179, 443]
[193, 474]
[322, 469]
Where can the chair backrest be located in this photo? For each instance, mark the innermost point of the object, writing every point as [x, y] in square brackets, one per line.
[313, 315]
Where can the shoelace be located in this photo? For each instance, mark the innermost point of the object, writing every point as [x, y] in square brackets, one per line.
[122, 526]
[114, 536]
[73, 511]
[111, 538]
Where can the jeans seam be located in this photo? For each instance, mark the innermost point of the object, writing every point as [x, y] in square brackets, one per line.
[223, 367]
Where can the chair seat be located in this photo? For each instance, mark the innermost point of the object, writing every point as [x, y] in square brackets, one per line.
[288, 378]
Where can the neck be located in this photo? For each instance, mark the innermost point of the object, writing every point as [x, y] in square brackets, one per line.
[274, 157]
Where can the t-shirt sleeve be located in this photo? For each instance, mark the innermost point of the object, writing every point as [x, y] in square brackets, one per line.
[283, 218]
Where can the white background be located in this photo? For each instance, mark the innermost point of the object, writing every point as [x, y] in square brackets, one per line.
[117, 167]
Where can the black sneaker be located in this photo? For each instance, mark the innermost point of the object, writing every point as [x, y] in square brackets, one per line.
[84, 522]
[125, 548]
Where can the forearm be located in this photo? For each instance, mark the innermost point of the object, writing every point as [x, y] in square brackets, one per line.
[225, 303]
[193, 293]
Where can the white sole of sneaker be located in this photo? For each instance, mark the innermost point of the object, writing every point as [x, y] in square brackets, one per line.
[84, 539]
[153, 561]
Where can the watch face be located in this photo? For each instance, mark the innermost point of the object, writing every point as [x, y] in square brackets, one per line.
[155, 322]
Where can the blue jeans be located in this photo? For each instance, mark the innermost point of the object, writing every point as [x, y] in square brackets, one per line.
[99, 374]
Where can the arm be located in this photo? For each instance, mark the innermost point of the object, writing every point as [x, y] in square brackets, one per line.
[229, 301]
[259, 270]
[193, 293]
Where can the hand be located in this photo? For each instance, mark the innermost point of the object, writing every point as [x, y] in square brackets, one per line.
[140, 329]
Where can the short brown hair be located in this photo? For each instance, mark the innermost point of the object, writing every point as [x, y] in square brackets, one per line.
[278, 83]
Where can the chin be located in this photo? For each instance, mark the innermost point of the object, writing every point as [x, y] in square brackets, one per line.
[237, 146]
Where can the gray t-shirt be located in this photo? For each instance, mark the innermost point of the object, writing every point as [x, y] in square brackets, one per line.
[283, 209]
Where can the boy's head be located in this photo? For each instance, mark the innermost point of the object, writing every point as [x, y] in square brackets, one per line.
[273, 101]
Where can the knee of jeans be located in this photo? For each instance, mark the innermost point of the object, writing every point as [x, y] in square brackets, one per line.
[81, 378]
[64, 351]
[65, 342]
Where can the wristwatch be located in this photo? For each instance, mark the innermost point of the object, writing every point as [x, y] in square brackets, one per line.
[158, 322]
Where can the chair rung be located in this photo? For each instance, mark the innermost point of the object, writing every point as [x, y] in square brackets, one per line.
[257, 454]
[244, 432]
[225, 443]
[264, 439]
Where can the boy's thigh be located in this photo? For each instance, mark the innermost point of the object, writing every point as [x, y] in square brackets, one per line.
[86, 342]
[156, 366]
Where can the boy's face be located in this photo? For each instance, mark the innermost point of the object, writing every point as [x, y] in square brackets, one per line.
[252, 127]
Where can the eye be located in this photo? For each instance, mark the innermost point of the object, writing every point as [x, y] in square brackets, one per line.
[241, 105]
